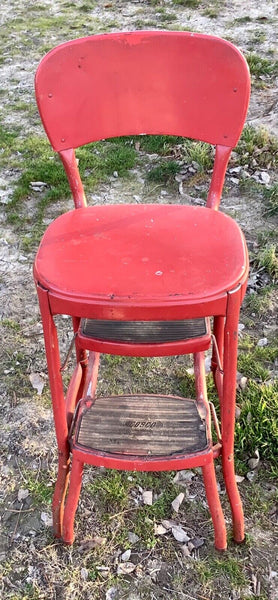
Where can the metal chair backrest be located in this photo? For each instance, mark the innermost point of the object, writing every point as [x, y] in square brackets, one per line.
[143, 82]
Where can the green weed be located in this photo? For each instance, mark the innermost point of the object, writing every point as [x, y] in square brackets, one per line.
[11, 324]
[268, 259]
[159, 144]
[260, 66]
[39, 488]
[187, 3]
[257, 426]
[199, 152]
[259, 303]
[259, 144]
[164, 173]
[271, 198]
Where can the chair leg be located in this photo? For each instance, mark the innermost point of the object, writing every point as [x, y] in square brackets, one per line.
[220, 535]
[228, 413]
[72, 501]
[60, 493]
[59, 407]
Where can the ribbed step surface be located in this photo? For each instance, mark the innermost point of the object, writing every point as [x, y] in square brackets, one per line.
[142, 425]
[144, 332]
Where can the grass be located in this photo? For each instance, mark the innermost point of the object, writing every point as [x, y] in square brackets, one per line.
[39, 488]
[226, 567]
[200, 153]
[257, 427]
[38, 163]
[187, 3]
[261, 67]
[271, 200]
[260, 303]
[268, 259]
[257, 143]
[117, 497]
[164, 172]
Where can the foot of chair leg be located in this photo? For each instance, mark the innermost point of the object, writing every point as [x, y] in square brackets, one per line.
[59, 493]
[235, 500]
[72, 501]
[220, 535]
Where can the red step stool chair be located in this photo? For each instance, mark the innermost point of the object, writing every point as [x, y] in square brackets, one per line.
[143, 279]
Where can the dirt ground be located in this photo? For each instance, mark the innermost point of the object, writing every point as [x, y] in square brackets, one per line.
[32, 564]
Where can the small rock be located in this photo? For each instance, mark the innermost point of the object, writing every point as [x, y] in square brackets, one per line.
[241, 326]
[125, 568]
[84, 574]
[87, 545]
[177, 502]
[251, 476]
[235, 180]
[22, 494]
[185, 550]
[168, 524]
[197, 542]
[239, 478]
[208, 364]
[264, 177]
[237, 411]
[37, 382]
[147, 497]
[241, 381]
[112, 594]
[235, 170]
[126, 555]
[46, 519]
[254, 461]
[262, 342]
[132, 537]
[183, 476]
[179, 534]
[115, 174]
[37, 186]
[159, 530]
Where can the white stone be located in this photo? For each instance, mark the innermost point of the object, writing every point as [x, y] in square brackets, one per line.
[177, 502]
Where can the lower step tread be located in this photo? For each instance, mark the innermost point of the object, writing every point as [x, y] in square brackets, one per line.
[142, 425]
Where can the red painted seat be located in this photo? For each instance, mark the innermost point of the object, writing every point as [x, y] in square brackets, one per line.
[141, 257]
[144, 280]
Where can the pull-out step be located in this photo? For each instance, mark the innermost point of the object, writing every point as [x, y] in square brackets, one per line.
[144, 332]
[142, 425]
